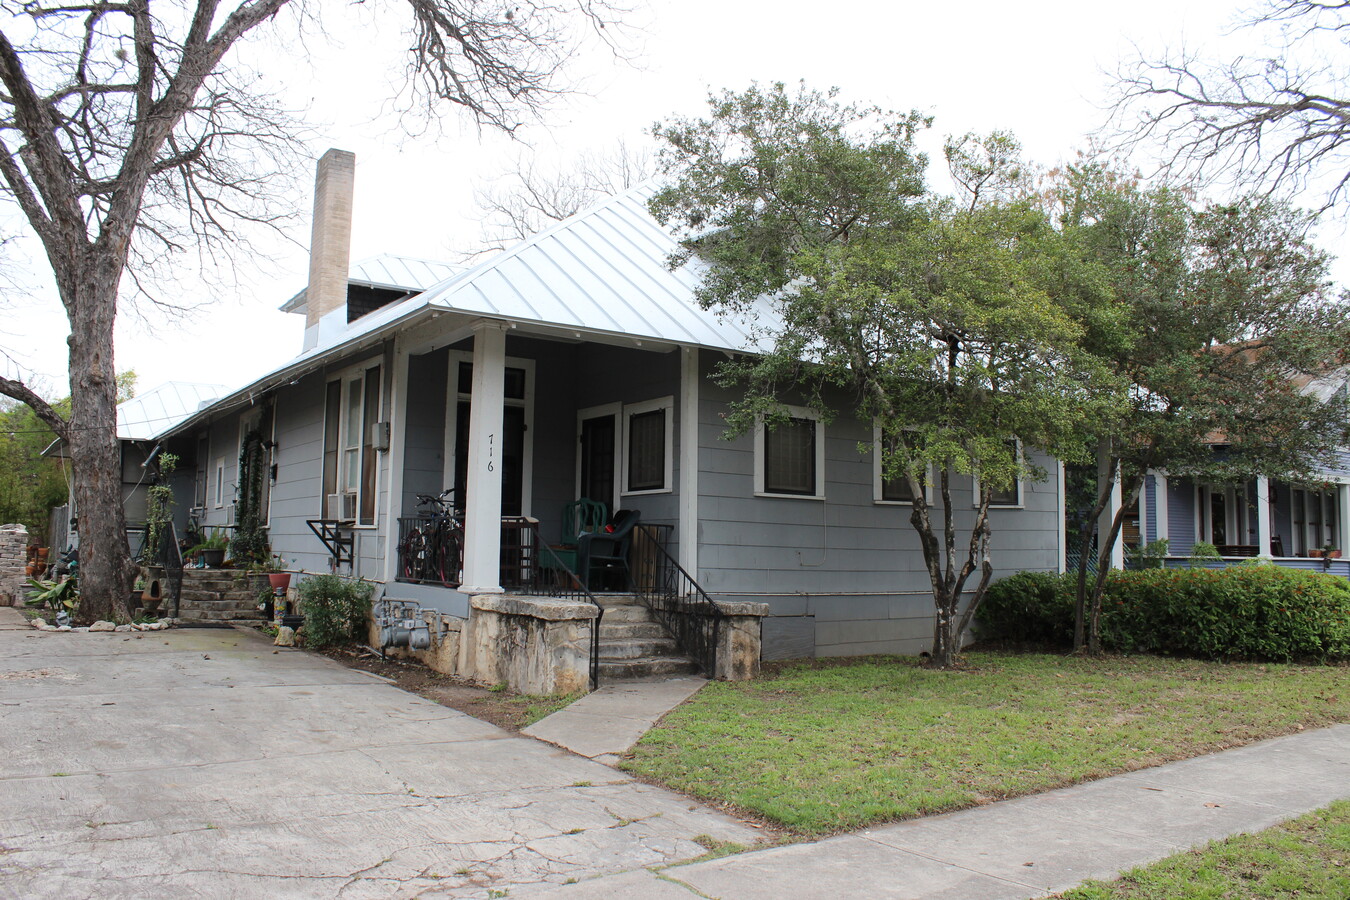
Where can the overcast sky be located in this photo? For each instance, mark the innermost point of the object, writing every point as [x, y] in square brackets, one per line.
[1038, 68]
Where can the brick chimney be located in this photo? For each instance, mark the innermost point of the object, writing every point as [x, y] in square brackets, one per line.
[330, 241]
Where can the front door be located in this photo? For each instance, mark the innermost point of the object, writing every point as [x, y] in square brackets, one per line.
[598, 432]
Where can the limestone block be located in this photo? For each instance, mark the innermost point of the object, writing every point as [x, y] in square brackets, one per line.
[739, 639]
[535, 645]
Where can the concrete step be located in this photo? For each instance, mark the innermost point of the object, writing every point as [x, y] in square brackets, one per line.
[647, 667]
[619, 631]
[217, 606]
[636, 649]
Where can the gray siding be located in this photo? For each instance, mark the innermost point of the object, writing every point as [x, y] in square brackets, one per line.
[851, 564]
[1180, 516]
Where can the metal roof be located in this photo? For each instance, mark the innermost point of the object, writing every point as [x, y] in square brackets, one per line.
[602, 271]
[156, 411]
[397, 273]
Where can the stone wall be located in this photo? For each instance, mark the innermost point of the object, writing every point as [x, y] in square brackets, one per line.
[13, 558]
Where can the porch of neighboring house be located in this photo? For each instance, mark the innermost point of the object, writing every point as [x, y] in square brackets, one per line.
[1295, 526]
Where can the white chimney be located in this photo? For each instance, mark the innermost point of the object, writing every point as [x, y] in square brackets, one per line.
[330, 243]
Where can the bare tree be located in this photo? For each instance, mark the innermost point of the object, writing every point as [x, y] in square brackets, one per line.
[531, 197]
[125, 136]
[1279, 121]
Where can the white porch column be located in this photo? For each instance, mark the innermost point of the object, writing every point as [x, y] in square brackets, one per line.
[396, 415]
[483, 485]
[1108, 516]
[1262, 516]
[1160, 506]
[689, 460]
[1342, 518]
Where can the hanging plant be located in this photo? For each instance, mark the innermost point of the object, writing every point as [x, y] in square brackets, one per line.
[250, 536]
[158, 510]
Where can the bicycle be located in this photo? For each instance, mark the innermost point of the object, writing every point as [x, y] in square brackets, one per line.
[431, 552]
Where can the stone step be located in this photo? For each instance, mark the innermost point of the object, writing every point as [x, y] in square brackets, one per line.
[625, 614]
[647, 667]
[218, 615]
[611, 601]
[618, 631]
[636, 649]
[218, 606]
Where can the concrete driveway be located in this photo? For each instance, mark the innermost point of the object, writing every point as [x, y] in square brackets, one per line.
[204, 763]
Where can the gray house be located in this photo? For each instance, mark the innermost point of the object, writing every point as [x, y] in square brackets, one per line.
[575, 364]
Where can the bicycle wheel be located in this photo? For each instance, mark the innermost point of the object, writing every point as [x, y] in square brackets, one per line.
[414, 552]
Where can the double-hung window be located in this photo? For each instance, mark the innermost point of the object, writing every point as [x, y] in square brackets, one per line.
[790, 456]
[351, 408]
[1010, 496]
[647, 443]
[891, 489]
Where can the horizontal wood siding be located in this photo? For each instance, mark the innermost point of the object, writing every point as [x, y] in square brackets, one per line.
[851, 564]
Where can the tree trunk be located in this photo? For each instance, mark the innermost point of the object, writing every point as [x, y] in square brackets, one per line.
[105, 569]
[945, 641]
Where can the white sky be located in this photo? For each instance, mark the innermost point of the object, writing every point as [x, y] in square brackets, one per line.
[1035, 68]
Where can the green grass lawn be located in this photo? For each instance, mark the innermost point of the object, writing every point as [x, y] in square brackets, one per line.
[822, 747]
[1307, 858]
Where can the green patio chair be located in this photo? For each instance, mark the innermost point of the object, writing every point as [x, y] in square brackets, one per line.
[579, 517]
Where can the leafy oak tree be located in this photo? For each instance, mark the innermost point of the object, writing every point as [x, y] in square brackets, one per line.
[126, 136]
[926, 314]
[1223, 323]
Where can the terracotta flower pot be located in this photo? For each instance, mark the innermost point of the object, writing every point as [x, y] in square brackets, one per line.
[280, 581]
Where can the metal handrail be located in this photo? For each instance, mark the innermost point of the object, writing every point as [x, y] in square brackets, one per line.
[555, 579]
[678, 602]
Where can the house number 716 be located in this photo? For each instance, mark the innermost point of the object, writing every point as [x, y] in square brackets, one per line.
[491, 438]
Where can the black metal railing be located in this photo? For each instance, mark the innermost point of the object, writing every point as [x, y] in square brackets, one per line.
[429, 551]
[675, 599]
[337, 538]
[169, 557]
[552, 578]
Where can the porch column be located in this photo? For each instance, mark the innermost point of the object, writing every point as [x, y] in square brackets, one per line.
[1342, 517]
[1108, 516]
[483, 485]
[689, 460]
[1160, 506]
[397, 416]
[1262, 516]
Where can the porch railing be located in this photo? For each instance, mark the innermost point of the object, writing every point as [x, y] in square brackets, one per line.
[675, 599]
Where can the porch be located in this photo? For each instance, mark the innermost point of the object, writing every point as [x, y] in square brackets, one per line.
[1299, 526]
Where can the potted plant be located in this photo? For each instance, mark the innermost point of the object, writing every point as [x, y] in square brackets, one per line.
[211, 550]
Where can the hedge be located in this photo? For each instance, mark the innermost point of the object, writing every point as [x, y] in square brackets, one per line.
[1242, 612]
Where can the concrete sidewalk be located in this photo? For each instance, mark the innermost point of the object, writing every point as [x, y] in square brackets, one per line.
[1028, 847]
[606, 723]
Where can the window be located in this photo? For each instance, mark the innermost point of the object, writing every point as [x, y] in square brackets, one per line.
[514, 444]
[351, 409]
[790, 458]
[220, 482]
[1011, 496]
[892, 490]
[647, 441]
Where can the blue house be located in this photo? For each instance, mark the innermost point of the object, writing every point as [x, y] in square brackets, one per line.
[573, 365]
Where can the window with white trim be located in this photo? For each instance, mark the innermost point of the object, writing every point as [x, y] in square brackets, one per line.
[892, 490]
[1011, 496]
[351, 408]
[790, 456]
[647, 446]
[220, 482]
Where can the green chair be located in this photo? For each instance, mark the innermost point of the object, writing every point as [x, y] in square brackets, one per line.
[579, 517]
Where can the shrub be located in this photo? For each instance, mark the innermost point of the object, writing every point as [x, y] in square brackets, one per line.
[1243, 612]
[336, 609]
[1032, 608]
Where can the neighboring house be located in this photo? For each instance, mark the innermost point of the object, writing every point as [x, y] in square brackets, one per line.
[139, 421]
[576, 364]
[1290, 523]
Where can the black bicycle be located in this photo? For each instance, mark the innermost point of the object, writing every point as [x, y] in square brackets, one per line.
[431, 549]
